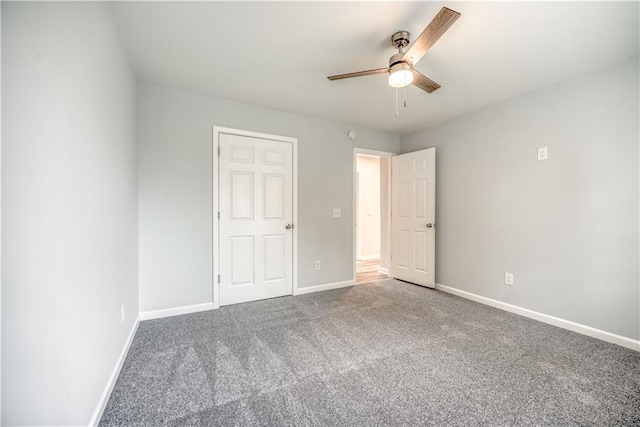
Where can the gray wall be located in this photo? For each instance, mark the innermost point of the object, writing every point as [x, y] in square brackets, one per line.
[175, 191]
[566, 227]
[69, 211]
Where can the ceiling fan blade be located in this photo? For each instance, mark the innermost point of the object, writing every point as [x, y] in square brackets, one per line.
[424, 82]
[436, 28]
[359, 74]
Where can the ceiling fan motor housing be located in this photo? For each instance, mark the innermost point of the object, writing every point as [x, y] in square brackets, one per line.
[400, 39]
[397, 59]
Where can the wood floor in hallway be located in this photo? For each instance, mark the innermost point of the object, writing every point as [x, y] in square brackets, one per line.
[369, 271]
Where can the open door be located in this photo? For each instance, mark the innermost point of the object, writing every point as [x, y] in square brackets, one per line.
[413, 216]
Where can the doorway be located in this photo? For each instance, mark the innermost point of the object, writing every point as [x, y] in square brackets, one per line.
[372, 209]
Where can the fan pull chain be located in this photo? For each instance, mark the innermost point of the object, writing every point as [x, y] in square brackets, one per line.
[396, 103]
[404, 95]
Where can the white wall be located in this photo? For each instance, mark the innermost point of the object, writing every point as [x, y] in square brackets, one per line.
[69, 209]
[566, 227]
[175, 188]
[368, 168]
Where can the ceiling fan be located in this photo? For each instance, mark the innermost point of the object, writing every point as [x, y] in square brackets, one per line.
[400, 70]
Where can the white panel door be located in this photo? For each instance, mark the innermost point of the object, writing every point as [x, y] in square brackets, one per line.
[413, 216]
[256, 211]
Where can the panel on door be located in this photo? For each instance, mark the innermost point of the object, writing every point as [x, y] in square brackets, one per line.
[413, 217]
[256, 206]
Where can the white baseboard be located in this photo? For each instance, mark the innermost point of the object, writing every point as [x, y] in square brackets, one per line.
[551, 320]
[108, 388]
[325, 287]
[384, 271]
[167, 312]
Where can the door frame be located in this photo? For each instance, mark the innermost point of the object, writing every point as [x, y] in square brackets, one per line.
[377, 153]
[217, 130]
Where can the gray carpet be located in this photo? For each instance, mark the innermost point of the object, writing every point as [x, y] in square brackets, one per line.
[386, 353]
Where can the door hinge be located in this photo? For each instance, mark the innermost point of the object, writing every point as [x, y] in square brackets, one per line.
[218, 214]
[218, 278]
[218, 150]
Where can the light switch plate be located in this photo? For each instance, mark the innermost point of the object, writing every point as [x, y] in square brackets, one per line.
[337, 212]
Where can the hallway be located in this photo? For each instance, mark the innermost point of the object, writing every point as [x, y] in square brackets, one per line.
[369, 271]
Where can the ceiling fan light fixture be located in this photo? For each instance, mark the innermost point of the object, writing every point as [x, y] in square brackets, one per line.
[401, 75]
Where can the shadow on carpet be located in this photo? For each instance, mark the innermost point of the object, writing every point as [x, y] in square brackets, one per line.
[384, 353]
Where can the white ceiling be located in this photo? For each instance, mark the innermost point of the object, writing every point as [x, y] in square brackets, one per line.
[278, 54]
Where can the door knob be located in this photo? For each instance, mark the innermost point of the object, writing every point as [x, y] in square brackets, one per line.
[288, 226]
[431, 225]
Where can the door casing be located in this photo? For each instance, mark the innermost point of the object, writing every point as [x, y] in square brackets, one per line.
[385, 154]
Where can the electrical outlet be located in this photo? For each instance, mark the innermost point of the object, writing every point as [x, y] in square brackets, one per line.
[543, 153]
[122, 313]
[508, 278]
[337, 213]
[318, 265]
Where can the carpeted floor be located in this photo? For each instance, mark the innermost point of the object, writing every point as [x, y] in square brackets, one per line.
[385, 353]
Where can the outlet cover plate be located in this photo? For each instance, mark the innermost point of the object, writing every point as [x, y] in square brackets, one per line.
[508, 278]
[543, 153]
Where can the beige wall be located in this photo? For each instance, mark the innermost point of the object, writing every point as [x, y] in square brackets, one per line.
[368, 168]
[385, 210]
